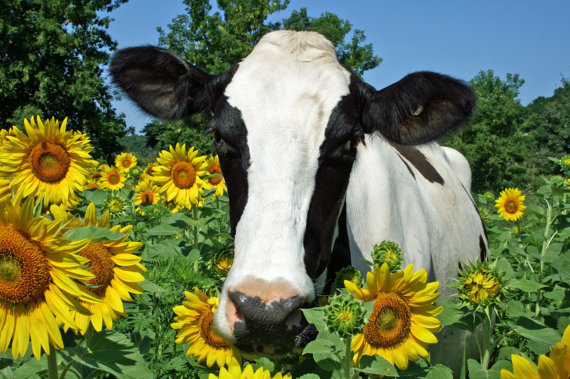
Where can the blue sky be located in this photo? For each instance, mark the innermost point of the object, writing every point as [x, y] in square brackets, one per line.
[457, 38]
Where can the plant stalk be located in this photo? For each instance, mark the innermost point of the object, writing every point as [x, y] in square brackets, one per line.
[347, 359]
[545, 244]
[52, 364]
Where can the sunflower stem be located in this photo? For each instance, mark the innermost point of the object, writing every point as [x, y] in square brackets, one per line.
[486, 342]
[347, 358]
[545, 245]
[195, 227]
[52, 364]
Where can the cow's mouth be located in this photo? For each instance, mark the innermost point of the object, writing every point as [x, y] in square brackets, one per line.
[275, 343]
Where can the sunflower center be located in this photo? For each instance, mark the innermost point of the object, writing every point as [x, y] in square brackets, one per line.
[115, 205]
[126, 163]
[183, 174]
[101, 266]
[511, 206]
[390, 256]
[210, 336]
[345, 316]
[114, 178]
[49, 162]
[147, 197]
[216, 179]
[390, 321]
[24, 269]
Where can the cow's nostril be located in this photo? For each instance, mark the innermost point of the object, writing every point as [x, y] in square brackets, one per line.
[260, 315]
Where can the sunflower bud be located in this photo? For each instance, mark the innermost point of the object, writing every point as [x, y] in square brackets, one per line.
[565, 162]
[352, 274]
[557, 181]
[390, 253]
[481, 284]
[344, 315]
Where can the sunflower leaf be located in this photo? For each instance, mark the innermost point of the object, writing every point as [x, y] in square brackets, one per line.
[376, 365]
[531, 329]
[525, 285]
[93, 233]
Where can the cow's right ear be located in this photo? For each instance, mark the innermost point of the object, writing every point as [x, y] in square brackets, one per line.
[163, 84]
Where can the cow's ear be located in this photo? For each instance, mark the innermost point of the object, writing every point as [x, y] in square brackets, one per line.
[417, 109]
[162, 83]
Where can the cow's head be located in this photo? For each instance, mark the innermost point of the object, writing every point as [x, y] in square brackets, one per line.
[287, 122]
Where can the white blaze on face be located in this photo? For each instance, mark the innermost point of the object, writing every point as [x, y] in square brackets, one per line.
[285, 90]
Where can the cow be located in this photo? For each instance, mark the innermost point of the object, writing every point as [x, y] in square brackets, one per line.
[300, 137]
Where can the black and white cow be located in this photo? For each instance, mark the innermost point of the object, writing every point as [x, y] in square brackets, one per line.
[299, 135]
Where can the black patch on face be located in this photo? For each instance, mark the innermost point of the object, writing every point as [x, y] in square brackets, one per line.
[419, 161]
[335, 164]
[231, 144]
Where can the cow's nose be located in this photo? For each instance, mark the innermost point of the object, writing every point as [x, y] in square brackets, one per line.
[258, 315]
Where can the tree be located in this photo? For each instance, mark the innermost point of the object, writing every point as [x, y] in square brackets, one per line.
[494, 142]
[51, 60]
[548, 125]
[216, 40]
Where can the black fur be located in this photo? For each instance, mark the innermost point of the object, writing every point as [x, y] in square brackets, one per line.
[419, 108]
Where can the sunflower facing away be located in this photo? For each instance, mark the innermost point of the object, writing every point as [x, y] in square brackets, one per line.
[146, 193]
[116, 269]
[234, 371]
[126, 161]
[47, 160]
[216, 180]
[149, 170]
[510, 205]
[555, 366]
[403, 320]
[180, 175]
[113, 178]
[194, 319]
[38, 273]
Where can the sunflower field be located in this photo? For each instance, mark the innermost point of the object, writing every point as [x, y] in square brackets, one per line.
[114, 270]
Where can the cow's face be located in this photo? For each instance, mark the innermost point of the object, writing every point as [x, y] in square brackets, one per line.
[287, 121]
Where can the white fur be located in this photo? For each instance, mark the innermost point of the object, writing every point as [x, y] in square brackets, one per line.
[460, 166]
[435, 225]
[285, 89]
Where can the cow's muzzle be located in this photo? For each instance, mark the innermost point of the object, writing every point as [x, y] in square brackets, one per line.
[273, 328]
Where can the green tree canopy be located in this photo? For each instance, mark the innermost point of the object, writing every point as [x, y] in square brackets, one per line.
[51, 59]
[215, 39]
[494, 142]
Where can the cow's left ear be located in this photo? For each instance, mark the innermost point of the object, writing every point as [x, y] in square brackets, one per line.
[417, 109]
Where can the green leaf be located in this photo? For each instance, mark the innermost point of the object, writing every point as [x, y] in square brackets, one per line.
[439, 372]
[526, 285]
[325, 350]
[309, 376]
[92, 232]
[164, 229]
[315, 316]
[477, 372]
[376, 365]
[531, 329]
[96, 196]
[31, 368]
[451, 312]
[151, 287]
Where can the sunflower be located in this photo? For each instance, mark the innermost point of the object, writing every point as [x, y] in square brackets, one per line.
[234, 371]
[180, 175]
[555, 366]
[116, 269]
[93, 177]
[510, 205]
[5, 190]
[146, 193]
[403, 320]
[194, 319]
[216, 180]
[149, 170]
[344, 315]
[388, 252]
[38, 273]
[480, 283]
[113, 178]
[126, 161]
[47, 160]
[116, 204]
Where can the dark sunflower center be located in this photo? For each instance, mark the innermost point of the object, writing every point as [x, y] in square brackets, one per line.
[147, 197]
[511, 206]
[101, 266]
[114, 178]
[127, 163]
[24, 269]
[390, 321]
[215, 180]
[49, 162]
[183, 174]
[210, 336]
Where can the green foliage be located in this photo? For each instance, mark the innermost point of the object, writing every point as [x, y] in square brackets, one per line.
[548, 124]
[494, 142]
[51, 60]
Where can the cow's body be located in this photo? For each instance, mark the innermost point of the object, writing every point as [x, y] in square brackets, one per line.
[424, 207]
[292, 126]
